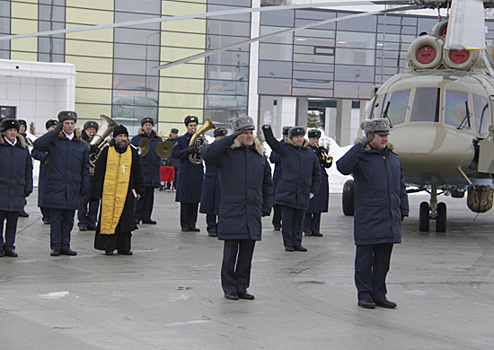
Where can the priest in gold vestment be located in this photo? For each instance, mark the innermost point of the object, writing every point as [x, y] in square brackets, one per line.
[118, 179]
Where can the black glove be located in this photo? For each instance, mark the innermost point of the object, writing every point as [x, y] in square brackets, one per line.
[237, 134]
[92, 149]
[83, 193]
[366, 141]
[319, 151]
[265, 213]
[191, 150]
[26, 194]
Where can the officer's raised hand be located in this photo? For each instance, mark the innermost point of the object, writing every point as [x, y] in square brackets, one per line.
[367, 140]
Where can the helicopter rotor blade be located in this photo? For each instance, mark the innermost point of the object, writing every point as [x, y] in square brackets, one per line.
[334, 3]
[260, 38]
[466, 30]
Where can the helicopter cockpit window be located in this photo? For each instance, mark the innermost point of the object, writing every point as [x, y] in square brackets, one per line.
[482, 114]
[425, 105]
[398, 106]
[455, 109]
[378, 106]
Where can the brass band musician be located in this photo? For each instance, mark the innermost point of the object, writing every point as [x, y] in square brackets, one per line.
[319, 203]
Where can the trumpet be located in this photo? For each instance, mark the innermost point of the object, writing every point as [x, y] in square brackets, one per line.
[325, 159]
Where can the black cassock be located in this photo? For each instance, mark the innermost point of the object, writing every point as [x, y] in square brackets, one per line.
[121, 239]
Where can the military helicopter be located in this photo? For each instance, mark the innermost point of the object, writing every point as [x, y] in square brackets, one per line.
[441, 111]
[441, 106]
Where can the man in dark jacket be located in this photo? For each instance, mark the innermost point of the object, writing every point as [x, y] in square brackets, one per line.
[189, 185]
[275, 158]
[87, 214]
[151, 165]
[211, 191]
[320, 202]
[381, 203]
[16, 174]
[22, 134]
[118, 171]
[175, 163]
[246, 195]
[50, 125]
[301, 180]
[67, 180]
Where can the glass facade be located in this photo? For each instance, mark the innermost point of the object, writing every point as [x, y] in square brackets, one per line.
[116, 67]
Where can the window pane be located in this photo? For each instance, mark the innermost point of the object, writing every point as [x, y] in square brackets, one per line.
[425, 105]
[232, 28]
[275, 86]
[276, 69]
[125, 17]
[243, 17]
[227, 72]
[455, 108]
[232, 58]
[278, 18]
[378, 107]
[355, 56]
[275, 52]
[278, 39]
[224, 87]
[357, 40]
[367, 23]
[147, 6]
[398, 106]
[136, 36]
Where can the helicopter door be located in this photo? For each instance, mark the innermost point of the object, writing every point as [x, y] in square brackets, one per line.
[486, 147]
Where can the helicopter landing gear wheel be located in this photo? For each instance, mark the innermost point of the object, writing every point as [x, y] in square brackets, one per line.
[424, 217]
[348, 198]
[441, 218]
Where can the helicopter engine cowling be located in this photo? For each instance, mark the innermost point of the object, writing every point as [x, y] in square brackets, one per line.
[425, 52]
[461, 60]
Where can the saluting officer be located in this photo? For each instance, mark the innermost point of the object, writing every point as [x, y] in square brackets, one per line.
[88, 210]
[301, 180]
[50, 125]
[151, 164]
[381, 203]
[211, 191]
[319, 203]
[275, 158]
[189, 185]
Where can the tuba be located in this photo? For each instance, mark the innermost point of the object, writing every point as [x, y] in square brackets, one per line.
[99, 141]
[198, 141]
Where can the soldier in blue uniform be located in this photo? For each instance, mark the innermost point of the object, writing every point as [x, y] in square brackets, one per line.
[189, 186]
[17, 182]
[301, 180]
[319, 203]
[247, 194]
[87, 214]
[211, 191]
[42, 156]
[381, 203]
[67, 181]
[275, 158]
[175, 163]
[151, 164]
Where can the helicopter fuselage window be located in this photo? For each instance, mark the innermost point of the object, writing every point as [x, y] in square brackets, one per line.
[482, 114]
[398, 106]
[425, 105]
[378, 106]
[455, 108]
